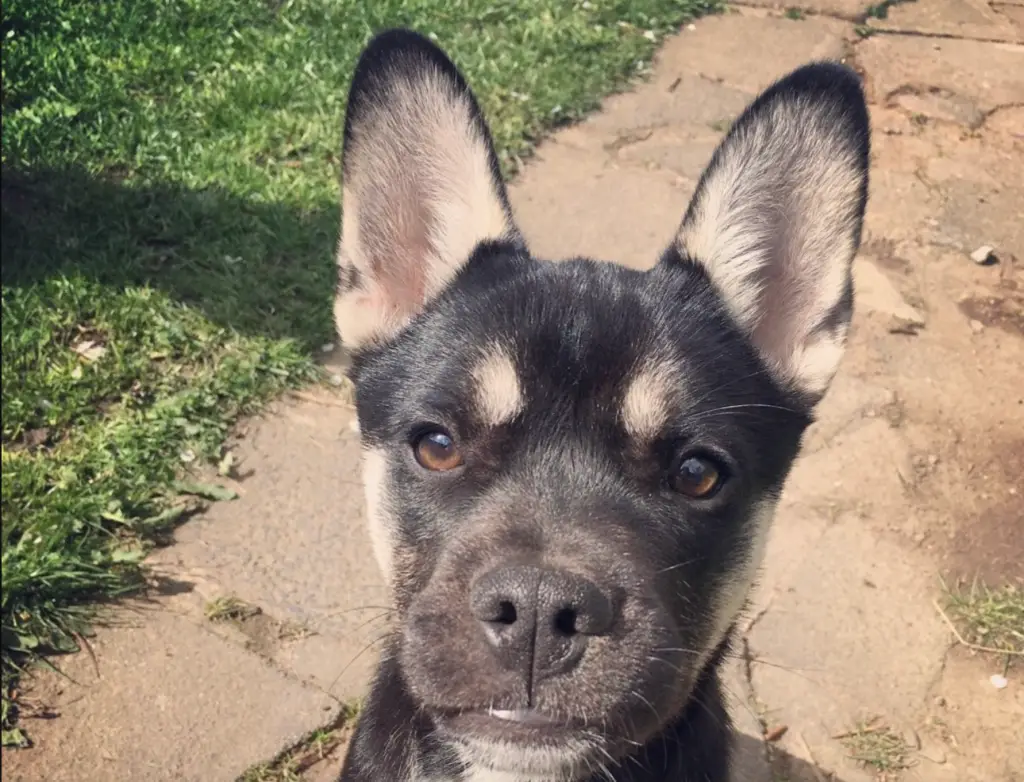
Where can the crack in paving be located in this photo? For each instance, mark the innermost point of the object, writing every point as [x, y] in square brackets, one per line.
[808, 11]
[257, 644]
[863, 19]
[912, 33]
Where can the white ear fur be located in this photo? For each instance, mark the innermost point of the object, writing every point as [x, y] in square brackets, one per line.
[421, 186]
[776, 221]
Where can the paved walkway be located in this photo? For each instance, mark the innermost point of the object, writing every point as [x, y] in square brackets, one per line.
[913, 470]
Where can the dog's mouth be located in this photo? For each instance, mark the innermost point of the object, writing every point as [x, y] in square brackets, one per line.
[522, 716]
[511, 725]
[524, 743]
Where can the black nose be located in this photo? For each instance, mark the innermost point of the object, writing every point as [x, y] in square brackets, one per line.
[539, 620]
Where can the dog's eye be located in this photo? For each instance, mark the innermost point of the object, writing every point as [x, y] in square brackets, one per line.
[698, 477]
[436, 451]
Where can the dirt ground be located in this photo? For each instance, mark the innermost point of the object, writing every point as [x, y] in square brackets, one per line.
[911, 478]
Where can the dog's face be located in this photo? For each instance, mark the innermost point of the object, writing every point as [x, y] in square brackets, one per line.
[571, 466]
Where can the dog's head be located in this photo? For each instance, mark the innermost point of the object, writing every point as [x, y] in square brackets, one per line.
[571, 466]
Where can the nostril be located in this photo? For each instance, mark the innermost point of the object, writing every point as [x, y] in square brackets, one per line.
[565, 622]
[507, 614]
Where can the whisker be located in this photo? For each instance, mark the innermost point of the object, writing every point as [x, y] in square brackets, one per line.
[751, 406]
[341, 611]
[361, 652]
[730, 655]
[677, 565]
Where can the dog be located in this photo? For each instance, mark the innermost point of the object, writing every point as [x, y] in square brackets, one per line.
[570, 466]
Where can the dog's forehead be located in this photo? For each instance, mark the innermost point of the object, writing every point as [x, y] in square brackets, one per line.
[583, 349]
[640, 394]
[585, 335]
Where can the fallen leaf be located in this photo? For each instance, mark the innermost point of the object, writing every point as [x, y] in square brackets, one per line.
[89, 349]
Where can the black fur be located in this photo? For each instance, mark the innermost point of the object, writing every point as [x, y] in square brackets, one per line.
[694, 747]
[564, 481]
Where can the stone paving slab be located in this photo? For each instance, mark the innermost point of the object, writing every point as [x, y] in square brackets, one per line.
[294, 545]
[746, 49]
[850, 10]
[957, 18]
[988, 75]
[167, 701]
[865, 647]
[616, 185]
[1014, 12]
[588, 205]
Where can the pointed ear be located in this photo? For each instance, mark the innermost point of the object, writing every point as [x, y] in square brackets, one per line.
[776, 221]
[421, 186]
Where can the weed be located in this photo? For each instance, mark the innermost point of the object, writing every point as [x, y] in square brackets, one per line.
[318, 746]
[988, 619]
[875, 746]
[229, 608]
[881, 10]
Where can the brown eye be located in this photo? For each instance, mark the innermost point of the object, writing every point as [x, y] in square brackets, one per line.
[697, 477]
[436, 451]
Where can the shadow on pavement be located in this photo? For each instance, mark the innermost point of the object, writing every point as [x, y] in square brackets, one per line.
[756, 761]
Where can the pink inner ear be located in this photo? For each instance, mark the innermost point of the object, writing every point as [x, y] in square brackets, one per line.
[397, 242]
[378, 309]
[404, 279]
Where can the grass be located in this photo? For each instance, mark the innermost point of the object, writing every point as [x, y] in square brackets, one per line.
[228, 608]
[876, 747]
[169, 209]
[988, 619]
[881, 10]
[291, 764]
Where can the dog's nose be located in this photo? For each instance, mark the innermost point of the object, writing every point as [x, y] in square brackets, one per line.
[539, 620]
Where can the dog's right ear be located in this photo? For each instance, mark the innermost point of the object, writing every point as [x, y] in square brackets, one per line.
[421, 186]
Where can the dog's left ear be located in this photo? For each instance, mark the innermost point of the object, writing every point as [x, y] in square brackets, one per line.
[421, 186]
[776, 221]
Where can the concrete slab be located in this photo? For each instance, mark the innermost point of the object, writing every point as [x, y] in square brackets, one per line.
[987, 75]
[957, 18]
[746, 51]
[616, 186]
[850, 10]
[847, 598]
[294, 543]
[1014, 12]
[577, 203]
[967, 718]
[676, 98]
[167, 701]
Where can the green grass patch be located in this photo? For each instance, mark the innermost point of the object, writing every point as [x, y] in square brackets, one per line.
[881, 10]
[323, 743]
[169, 213]
[988, 619]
